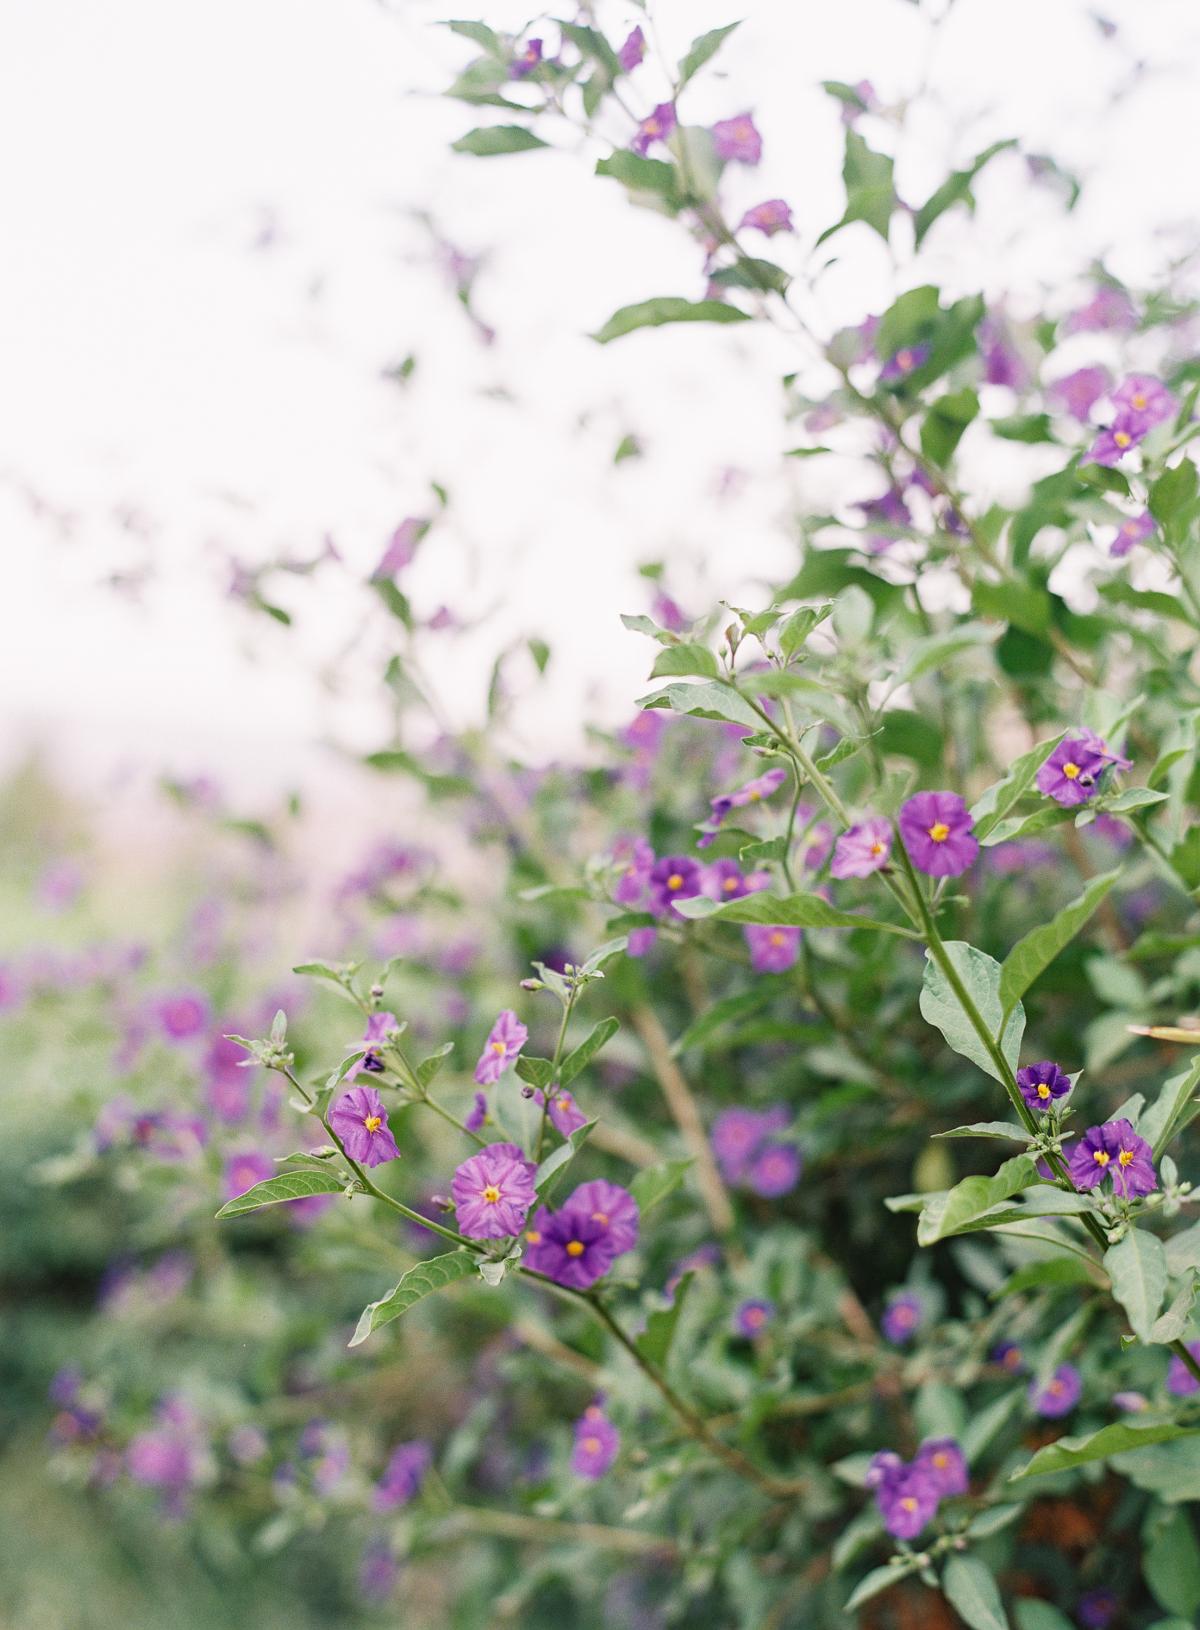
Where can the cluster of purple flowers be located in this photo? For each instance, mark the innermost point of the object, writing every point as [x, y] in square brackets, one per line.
[1142, 402]
[1113, 1151]
[908, 1493]
[578, 1244]
[750, 1155]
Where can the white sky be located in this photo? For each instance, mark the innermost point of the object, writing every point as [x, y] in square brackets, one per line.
[158, 360]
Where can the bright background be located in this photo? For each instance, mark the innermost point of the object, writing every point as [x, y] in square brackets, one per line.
[217, 251]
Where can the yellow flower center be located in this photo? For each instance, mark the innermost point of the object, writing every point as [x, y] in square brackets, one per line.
[1012, 1358]
[879, 848]
[1122, 438]
[1070, 771]
[904, 360]
[777, 938]
[1054, 1388]
[674, 881]
[575, 1247]
[592, 1445]
[941, 1461]
[533, 1236]
[1043, 1090]
[729, 884]
[491, 1194]
[1100, 1156]
[497, 1046]
[564, 1102]
[373, 1123]
[755, 1317]
[1125, 1157]
[939, 831]
[755, 796]
[908, 1503]
[1139, 401]
[600, 1217]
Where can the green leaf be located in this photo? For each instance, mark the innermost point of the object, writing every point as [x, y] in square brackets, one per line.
[667, 308]
[582, 1055]
[994, 804]
[1024, 605]
[1033, 954]
[1025, 826]
[956, 189]
[984, 1425]
[489, 141]
[927, 655]
[1058, 1270]
[944, 423]
[780, 911]
[988, 1129]
[536, 1072]
[980, 975]
[870, 189]
[720, 1016]
[428, 1068]
[591, 43]
[1174, 492]
[1035, 1615]
[287, 1186]
[481, 34]
[1137, 1266]
[653, 1184]
[654, 1344]
[704, 47]
[552, 1168]
[644, 175]
[1132, 798]
[970, 1589]
[416, 1284]
[685, 659]
[704, 702]
[875, 1583]
[1176, 1105]
[1183, 1251]
[1170, 1326]
[949, 1213]
[1171, 1564]
[1116, 1439]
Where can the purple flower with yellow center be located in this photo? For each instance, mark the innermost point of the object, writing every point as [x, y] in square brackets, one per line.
[937, 832]
[493, 1192]
[775, 1170]
[1180, 1379]
[1071, 773]
[505, 1041]
[902, 1317]
[752, 792]
[1132, 531]
[656, 126]
[526, 61]
[738, 1135]
[907, 1501]
[863, 849]
[478, 1113]
[903, 362]
[724, 880]
[751, 1318]
[1009, 1356]
[944, 1462]
[771, 216]
[378, 1025]
[1115, 1151]
[569, 1246]
[403, 1476]
[674, 877]
[736, 140]
[1077, 393]
[632, 50]
[565, 1114]
[1042, 1084]
[243, 1171]
[1111, 445]
[613, 1208]
[773, 947]
[360, 1121]
[1143, 403]
[1059, 1395]
[597, 1442]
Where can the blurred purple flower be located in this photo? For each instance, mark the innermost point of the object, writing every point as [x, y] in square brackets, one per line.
[1077, 393]
[632, 50]
[403, 1475]
[737, 140]
[1059, 1395]
[1134, 530]
[401, 548]
[773, 948]
[772, 216]
[597, 1443]
[656, 126]
[902, 1317]
[751, 1318]
[863, 849]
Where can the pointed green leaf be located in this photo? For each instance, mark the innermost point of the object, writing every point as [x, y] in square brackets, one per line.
[654, 1344]
[653, 1183]
[704, 702]
[551, 1169]
[948, 1213]
[1116, 1439]
[582, 1055]
[1034, 1615]
[1137, 1266]
[685, 659]
[994, 804]
[877, 1581]
[780, 911]
[1171, 1325]
[1177, 1104]
[1033, 954]
[490, 141]
[667, 309]
[970, 1589]
[980, 975]
[701, 50]
[417, 1283]
[287, 1186]
[988, 1129]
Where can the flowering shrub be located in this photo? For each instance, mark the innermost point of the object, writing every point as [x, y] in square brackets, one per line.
[745, 1268]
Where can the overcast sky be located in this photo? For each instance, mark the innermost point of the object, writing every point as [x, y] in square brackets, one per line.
[215, 255]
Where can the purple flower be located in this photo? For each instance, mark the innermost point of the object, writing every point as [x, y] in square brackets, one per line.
[1180, 1379]
[738, 1135]
[402, 546]
[596, 1443]
[360, 1121]
[564, 1112]
[936, 828]
[863, 849]
[568, 1246]
[902, 1317]
[403, 1476]
[750, 1318]
[1131, 1403]
[724, 880]
[944, 1462]
[1059, 1395]
[1113, 1150]
[1112, 444]
[904, 362]
[820, 843]
[656, 126]
[613, 1208]
[632, 50]
[378, 1025]
[674, 877]
[1109, 308]
[1002, 362]
[1136, 529]
[1071, 773]
[1144, 402]
[1009, 1356]
[775, 1170]
[243, 1171]
[907, 1499]
[1096, 1609]
[526, 61]
[1078, 393]
[182, 1015]
[772, 216]
[773, 948]
[493, 1192]
[1041, 1084]
[752, 792]
[478, 1114]
[865, 101]
[635, 857]
[737, 140]
[641, 941]
[505, 1041]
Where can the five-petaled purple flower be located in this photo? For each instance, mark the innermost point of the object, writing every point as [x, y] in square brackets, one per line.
[1113, 1150]
[596, 1443]
[1071, 774]
[565, 1114]
[752, 792]
[674, 877]
[360, 1121]
[771, 216]
[1060, 1393]
[863, 849]
[773, 947]
[751, 1318]
[1041, 1084]
[505, 1041]
[656, 126]
[613, 1208]
[493, 1192]
[775, 1170]
[1142, 402]
[944, 1462]
[737, 140]
[578, 1244]
[1133, 531]
[902, 1317]
[937, 832]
